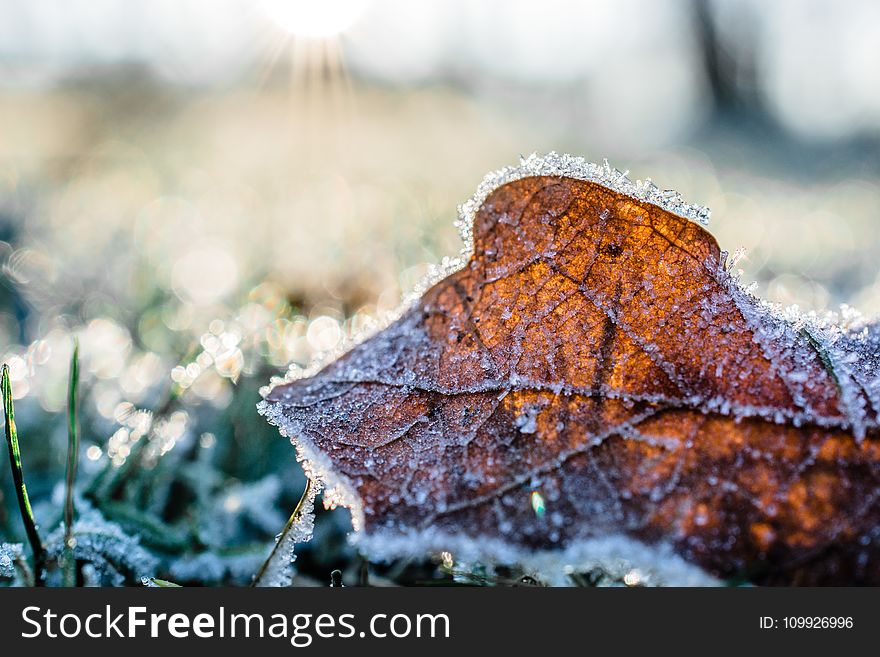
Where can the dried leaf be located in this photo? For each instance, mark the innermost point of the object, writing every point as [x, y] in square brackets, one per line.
[593, 384]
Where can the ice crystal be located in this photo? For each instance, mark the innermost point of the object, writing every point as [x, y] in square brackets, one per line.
[10, 553]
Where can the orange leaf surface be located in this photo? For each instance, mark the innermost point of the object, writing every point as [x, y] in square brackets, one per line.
[592, 383]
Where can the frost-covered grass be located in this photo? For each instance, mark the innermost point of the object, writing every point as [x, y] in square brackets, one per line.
[101, 537]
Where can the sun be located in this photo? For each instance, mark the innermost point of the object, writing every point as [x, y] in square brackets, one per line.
[314, 19]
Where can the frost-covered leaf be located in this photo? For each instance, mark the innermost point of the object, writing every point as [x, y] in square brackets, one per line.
[590, 385]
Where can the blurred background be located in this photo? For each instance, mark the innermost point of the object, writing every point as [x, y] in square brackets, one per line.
[206, 191]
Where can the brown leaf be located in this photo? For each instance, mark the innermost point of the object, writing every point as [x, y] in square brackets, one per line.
[593, 381]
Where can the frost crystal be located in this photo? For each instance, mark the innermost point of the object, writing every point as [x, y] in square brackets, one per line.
[579, 168]
[9, 554]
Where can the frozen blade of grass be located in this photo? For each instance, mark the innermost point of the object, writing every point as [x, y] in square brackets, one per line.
[69, 564]
[72, 439]
[24, 503]
[280, 541]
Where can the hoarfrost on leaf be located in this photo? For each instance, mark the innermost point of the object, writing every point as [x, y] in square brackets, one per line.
[591, 344]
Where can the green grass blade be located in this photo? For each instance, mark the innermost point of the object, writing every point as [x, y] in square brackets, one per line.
[290, 522]
[24, 504]
[164, 583]
[72, 460]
